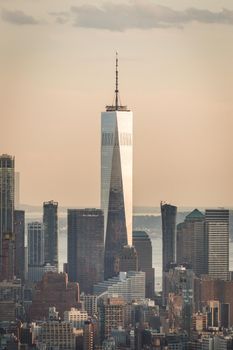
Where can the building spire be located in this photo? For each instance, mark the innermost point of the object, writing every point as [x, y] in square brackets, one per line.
[116, 90]
[117, 105]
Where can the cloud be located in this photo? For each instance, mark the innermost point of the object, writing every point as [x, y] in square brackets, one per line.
[61, 17]
[17, 17]
[142, 14]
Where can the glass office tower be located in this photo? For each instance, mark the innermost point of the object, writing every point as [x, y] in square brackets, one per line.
[217, 231]
[7, 175]
[50, 220]
[116, 180]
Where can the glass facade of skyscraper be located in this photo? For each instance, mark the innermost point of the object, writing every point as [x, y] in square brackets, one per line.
[116, 184]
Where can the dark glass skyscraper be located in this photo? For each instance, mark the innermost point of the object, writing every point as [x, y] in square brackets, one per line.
[168, 213]
[116, 180]
[50, 220]
[191, 242]
[128, 260]
[7, 174]
[143, 246]
[19, 231]
[35, 244]
[85, 247]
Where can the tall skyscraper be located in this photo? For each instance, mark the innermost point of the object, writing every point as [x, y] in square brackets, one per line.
[35, 249]
[168, 213]
[85, 247]
[116, 180]
[143, 246]
[50, 221]
[191, 244]
[17, 190]
[7, 175]
[19, 231]
[217, 231]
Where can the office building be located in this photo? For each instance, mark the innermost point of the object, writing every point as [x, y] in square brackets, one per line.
[179, 295]
[88, 336]
[128, 259]
[35, 244]
[199, 322]
[89, 303]
[17, 190]
[35, 273]
[8, 256]
[112, 315]
[143, 246]
[58, 335]
[76, 317]
[209, 289]
[7, 177]
[191, 242]
[116, 180]
[11, 296]
[50, 221]
[168, 214]
[85, 247]
[217, 232]
[35, 250]
[128, 285]
[213, 313]
[19, 231]
[53, 290]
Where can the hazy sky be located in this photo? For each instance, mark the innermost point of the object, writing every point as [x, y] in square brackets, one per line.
[176, 74]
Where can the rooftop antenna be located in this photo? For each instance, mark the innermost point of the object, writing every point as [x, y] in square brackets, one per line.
[117, 106]
[116, 90]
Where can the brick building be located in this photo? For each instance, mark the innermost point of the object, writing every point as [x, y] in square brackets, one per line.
[53, 290]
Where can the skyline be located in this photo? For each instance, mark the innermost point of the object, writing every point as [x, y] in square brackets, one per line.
[180, 90]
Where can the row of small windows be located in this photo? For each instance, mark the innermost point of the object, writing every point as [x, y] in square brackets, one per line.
[124, 138]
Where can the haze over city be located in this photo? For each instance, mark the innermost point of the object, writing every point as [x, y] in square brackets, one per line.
[175, 73]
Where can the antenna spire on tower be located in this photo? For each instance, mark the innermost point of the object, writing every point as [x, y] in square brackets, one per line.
[116, 90]
[117, 106]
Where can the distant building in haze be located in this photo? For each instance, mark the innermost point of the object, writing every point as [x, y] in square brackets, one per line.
[85, 247]
[7, 179]
[191, 244]
[50, 221]
[168, 214]
[19, 231]
[143, 246]
[116, 180]
[217, 232]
